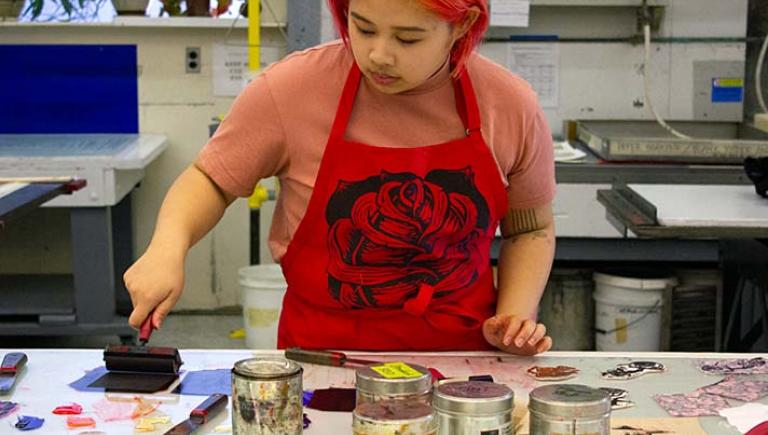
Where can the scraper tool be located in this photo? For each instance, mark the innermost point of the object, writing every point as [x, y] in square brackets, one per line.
[11, 366]
[199, 416]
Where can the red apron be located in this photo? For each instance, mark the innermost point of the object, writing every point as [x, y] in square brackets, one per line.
[394, 250]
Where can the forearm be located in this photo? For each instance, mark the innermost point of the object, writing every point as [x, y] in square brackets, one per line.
[191, 208]
[524, 264]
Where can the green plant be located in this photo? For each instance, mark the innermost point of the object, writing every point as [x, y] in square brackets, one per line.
[63, 8]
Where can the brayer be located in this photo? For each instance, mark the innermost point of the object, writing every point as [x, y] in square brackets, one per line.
[140, 368]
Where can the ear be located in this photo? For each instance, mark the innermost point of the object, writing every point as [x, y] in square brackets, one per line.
[461, 28]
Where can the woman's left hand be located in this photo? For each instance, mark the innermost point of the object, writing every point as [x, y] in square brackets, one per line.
[516, 335]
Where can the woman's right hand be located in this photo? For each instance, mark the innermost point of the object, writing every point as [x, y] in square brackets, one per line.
[154, 282]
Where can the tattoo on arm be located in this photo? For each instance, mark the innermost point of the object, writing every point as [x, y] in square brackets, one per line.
[522, 221]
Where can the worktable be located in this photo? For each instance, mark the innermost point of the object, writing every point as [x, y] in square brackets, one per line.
[101, 229]
[43, 384]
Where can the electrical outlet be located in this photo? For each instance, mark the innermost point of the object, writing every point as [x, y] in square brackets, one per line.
[192, 60]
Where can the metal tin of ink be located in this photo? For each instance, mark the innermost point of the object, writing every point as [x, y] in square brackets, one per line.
[394, 417]
[372, 386]
[474, 408]
[570, 408]
[267, 397]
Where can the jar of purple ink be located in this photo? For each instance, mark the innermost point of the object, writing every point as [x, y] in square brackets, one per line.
[474, 408]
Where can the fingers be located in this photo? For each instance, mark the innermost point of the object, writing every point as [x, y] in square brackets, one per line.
[527, 328]
[139, 314]
[513, 327]
[517, 335]
[544, 345]
[162, 310]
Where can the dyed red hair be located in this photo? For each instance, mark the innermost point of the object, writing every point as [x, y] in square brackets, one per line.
[453, 11]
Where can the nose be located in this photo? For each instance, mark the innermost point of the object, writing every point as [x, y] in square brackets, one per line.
[381, 54]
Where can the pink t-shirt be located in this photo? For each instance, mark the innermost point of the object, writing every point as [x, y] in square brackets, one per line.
[279, 125]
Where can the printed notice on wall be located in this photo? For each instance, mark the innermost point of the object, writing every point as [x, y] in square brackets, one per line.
[539, 64]
[510, 13]
[230, 69]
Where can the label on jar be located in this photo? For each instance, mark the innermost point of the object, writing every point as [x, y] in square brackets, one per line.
[397, 370]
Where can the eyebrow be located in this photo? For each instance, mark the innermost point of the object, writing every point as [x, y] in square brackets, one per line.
[400, 28]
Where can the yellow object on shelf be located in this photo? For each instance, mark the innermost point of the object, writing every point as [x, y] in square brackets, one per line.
[237, 333]
[259, 195]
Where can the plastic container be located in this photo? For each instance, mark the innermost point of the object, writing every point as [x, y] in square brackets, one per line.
[262, 289]
[628, 306]
[474, 408]
[267, 397]
[569, 409]
[394, 417]
[371, 386]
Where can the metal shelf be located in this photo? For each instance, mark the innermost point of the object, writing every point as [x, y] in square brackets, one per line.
[598, 3]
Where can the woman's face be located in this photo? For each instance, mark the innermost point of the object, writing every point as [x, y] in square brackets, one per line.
[397, 43]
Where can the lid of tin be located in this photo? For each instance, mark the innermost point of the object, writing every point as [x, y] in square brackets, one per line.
[372, 382]
[402, 416]
[473, 397]
[266, 368]
[570, 401]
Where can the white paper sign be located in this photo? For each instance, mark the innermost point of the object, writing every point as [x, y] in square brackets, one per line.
[230, 69]
[510, 13]
[539, 64]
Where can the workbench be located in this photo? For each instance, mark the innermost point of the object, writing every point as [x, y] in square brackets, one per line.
[101, 228]
[43, 384]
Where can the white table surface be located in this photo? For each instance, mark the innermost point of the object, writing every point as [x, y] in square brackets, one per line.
[43, 384]
[706, 205]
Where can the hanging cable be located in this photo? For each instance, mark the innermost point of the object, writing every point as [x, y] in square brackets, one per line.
[647, 85]
[759, 76]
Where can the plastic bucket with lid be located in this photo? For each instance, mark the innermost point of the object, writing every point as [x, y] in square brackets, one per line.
[262, 289]
[628, 309]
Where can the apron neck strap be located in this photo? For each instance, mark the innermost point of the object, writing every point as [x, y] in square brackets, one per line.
[466, 103]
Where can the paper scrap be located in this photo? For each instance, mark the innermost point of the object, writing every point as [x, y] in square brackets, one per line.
[88, 378]
[746, 416]
[743, 366]
[223, 428]
[71, 409]
[74, 421]
[109, 410]
[28, 422]
[734, 388]
[206, 383]
[539, 65]
[147, 424]
[510, 13]
[695, 404]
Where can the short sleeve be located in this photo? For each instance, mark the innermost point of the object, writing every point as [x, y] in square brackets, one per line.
[249, 144]
[532, 178]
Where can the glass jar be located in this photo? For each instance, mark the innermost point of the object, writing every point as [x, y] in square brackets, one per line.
[570, 408]
[474, 408]
[267, 397]
[394, 417]
[372, 386]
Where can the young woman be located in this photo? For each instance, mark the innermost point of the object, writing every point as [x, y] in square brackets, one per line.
[399, 151]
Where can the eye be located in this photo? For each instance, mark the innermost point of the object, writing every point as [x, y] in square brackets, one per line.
[408, 41]
[364, 31]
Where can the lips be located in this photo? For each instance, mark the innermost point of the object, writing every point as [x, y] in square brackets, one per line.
[383, 79]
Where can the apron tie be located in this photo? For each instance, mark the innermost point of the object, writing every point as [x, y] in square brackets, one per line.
[418, 306]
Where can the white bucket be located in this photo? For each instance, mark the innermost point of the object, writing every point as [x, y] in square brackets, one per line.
[262, 289]
[628, 310]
